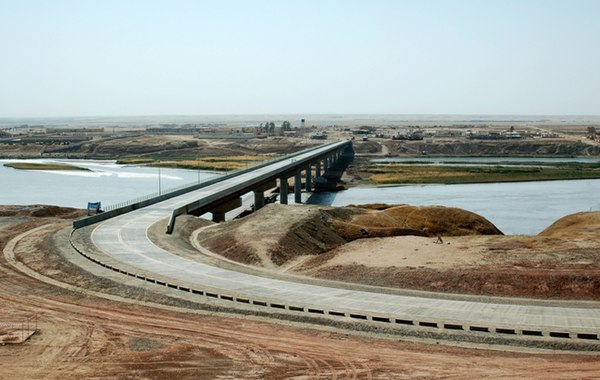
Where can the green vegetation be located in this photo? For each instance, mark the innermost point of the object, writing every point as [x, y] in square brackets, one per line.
[225, 163]
[39, 166]
[416, 174]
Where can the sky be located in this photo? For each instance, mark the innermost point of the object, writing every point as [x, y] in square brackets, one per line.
[129, 57]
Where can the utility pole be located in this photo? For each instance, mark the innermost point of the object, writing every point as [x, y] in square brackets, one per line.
[159, 189]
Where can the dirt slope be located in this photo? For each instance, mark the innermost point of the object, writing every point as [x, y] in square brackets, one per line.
[424, 248]
[42, 211]
[562, 262]
[582, 224]
[277, 234]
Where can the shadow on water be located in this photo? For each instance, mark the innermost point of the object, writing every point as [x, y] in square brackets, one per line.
[323, 198]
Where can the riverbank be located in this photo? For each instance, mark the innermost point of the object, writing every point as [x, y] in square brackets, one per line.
[214, 163]
[422, 174]
[43, 166]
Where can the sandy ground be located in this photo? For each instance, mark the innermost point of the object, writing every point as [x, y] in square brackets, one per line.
[373, 248]
[83, 336]
[462, 251]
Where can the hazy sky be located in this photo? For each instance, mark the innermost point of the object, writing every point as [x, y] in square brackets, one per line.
[102, 58]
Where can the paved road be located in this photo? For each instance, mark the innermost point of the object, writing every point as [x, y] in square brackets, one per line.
[125, 239]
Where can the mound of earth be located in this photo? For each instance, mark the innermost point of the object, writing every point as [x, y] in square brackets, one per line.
[277, 234]
[582, 224]
[413, 220]
[423, 248]
[42, 211]
[562, 262]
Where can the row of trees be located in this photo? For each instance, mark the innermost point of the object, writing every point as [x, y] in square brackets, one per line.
[269, 127]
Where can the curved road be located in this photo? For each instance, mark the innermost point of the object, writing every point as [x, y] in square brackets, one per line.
[125, 239]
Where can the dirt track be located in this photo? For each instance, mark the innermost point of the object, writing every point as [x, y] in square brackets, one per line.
[85, 336]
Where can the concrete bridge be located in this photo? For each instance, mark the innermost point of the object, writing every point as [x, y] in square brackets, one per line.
[224, 195]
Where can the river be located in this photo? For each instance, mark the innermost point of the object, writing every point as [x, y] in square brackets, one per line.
[107, 182]
[515, 208]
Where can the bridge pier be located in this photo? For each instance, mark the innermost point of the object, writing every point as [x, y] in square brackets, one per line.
[283, 190]
[218, 213]
[259, 194]
[318, 169]
[259, 199]
[297, 187]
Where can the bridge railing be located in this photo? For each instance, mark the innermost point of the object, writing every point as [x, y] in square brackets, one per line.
[147, 200]
[155, 195]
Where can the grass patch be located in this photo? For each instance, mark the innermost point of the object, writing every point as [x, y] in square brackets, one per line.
[39, 166]
[134, 161]
[225, 163]
[422, 174]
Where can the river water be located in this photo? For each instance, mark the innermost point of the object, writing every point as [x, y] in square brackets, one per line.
[515, 208]
[107, 182]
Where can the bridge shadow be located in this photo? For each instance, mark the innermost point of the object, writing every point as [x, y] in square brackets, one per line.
[327, 186]
[322, 198]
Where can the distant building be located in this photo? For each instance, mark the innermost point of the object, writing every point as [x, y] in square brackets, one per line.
[172, 131]
[319, 136]
[74, 131]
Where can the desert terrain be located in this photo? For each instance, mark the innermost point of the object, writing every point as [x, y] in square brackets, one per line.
[422, 248]
[89, 327]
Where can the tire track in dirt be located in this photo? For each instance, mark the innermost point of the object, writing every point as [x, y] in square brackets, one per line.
[197, 342]
[254, 353]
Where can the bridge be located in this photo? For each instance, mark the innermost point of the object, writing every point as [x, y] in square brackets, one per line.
[225, 195]
[222, 194]
[121, 244]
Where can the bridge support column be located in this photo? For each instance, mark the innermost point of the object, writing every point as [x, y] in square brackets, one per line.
[297, 187]
[218, 213]
[259, 194]
[318, 169]
[283, 191]
[259, 199]
[308, 185]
